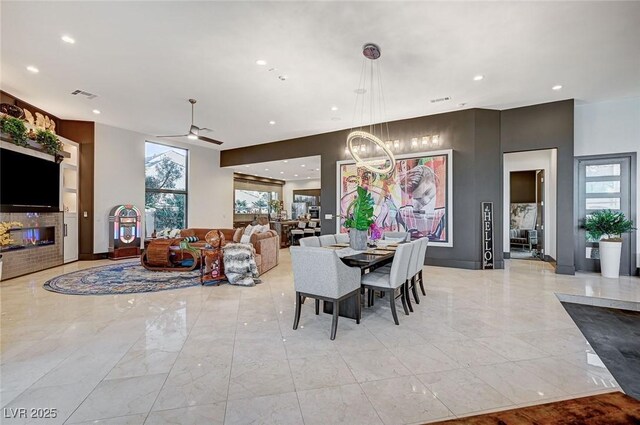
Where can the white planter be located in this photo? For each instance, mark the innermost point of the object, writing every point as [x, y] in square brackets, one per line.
[0, 268]
[610, 258]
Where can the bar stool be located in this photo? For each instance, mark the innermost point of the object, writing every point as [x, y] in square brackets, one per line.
[299, 232]
[311, 229]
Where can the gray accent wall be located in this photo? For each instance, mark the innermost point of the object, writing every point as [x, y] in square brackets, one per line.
[474, 135]
[548, 126]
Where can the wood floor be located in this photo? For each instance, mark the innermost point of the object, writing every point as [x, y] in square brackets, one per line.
[604, 409]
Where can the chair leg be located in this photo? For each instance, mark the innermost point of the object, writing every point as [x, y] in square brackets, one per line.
[334, 322]
[406, 295]
[317, 307]
[296, 319]
[422, 284]
[403, 297]
[414, 289]
[392, 299]
[372, 294]
[358, 308]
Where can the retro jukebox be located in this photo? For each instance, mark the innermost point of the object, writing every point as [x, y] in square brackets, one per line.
[125, 223]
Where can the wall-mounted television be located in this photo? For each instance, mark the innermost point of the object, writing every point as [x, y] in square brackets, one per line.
[28, 183]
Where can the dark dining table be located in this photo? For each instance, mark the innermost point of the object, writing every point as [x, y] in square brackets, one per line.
[367, 261]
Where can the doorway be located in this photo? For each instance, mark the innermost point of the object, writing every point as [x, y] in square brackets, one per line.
[526, 224]
[604, 182]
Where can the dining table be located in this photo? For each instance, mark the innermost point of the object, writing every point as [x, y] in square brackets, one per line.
[368, 260]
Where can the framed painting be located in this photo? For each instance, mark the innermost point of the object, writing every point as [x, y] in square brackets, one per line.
[416, 197]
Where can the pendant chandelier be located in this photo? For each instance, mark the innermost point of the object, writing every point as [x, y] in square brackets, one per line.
[372, 109]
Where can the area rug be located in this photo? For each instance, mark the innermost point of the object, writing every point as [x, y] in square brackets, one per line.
[121, 278]
[604, 409]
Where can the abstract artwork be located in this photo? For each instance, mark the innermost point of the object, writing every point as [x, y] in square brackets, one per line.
[414, 198]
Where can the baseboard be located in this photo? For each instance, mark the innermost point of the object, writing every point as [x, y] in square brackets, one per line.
[569, 270]
[506, 255]
[549, 259]
[92, 257]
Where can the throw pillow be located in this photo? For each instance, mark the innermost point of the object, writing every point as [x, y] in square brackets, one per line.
[191, 239]
[247, 230]
[394, 240]
[174, 233]
[245, 239]
[237, 235]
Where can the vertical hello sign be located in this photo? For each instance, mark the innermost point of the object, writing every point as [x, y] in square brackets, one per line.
[487, 235]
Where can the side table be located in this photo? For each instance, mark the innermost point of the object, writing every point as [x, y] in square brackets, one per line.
[211, 266]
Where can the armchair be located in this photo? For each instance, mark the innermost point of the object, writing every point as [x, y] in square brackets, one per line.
[523, 238]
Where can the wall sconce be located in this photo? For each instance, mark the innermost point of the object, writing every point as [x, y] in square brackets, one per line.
[435, 140]
[414, 142]
[389, 144]
[425, 140]
[396, 143]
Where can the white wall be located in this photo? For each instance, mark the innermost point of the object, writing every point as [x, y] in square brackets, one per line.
[610, 127]
[533, 160]
[290, 186]
[119, 179]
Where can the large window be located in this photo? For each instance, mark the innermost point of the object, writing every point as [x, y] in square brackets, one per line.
[254, 201]
[165, 187]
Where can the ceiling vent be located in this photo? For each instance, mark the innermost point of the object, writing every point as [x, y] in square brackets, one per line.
[84, 93]
[440, 99]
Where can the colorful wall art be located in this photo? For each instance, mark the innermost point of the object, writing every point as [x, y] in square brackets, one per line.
[416, 197]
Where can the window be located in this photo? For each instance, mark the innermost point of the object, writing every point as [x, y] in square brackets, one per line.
[254, 201]
[165, 187]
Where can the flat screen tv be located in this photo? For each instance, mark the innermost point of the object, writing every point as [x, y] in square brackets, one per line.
[28, 183]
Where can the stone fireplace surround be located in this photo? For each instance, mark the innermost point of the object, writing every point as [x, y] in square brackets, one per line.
[35, 258]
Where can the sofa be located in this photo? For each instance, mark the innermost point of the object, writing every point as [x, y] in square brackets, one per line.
[266, 244]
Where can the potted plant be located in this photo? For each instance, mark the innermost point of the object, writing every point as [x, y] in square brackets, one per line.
[49, 141]
[276, 207]
[5, 236]
[359, 218]
[607, 227]
[15, 128]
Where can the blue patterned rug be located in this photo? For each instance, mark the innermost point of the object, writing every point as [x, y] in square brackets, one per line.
[121, 278]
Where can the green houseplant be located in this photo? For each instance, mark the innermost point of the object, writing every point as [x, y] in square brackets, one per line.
[15, 128]
[49, 141]
[607, 226]
[359, 218]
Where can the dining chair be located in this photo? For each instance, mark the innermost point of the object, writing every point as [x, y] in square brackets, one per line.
[414, 267]
[395, 279]
[423, 255]
[320, 274]
[326, 240]
[403, 236]
[310, 241]
[342, 237]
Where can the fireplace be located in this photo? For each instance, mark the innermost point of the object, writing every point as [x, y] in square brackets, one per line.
[31, 237]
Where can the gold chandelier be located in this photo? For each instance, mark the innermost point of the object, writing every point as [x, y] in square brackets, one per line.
[370, 77]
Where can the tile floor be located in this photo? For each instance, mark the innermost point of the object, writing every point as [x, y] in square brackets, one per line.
[479, 341]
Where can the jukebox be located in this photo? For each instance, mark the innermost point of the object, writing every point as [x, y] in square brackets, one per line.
[125, 223]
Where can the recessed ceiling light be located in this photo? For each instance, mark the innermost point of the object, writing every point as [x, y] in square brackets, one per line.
[68, 39]
[192, 137]
[302, 165]
[556, 87]
[247, 166]
[308, 177]
[33, 69]
[261, 62]
[266, 169]
[272, 122]
[285, 161]
[478, 78]
[281, 172]
[334, 108]
[96, 111]
[295, 175]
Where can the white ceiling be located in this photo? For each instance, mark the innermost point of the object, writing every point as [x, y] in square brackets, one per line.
[289, 169]
[145, 59]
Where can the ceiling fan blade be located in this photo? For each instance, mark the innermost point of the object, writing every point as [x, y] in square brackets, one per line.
[175, 135]
[207, 139]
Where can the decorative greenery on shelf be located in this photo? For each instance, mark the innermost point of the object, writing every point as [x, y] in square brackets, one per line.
[15, 128]
[611, 224]
[275, 205]
[5, 226]
[360, 211]
[49, 142]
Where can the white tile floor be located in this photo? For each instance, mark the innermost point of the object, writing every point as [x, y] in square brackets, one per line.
[479, 341]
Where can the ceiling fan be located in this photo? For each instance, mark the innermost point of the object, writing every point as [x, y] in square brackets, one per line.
[195, 131]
